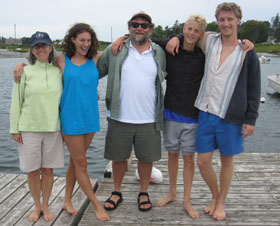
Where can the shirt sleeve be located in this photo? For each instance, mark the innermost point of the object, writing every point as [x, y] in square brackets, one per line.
[102, 64]
[16, 105]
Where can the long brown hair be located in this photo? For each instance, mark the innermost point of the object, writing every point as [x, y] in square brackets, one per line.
[69, 47]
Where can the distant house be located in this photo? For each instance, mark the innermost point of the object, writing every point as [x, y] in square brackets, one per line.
[13, 41]
[272, 40]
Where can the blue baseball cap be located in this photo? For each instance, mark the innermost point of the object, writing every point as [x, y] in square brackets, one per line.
[40, 37]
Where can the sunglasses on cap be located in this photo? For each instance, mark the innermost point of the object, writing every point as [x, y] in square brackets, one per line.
[136, 25]
[230, 4]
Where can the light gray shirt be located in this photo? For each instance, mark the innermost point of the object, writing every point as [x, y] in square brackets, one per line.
[219, 81]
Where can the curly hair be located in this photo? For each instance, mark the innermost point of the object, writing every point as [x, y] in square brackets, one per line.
[69, 47]
[229, 6]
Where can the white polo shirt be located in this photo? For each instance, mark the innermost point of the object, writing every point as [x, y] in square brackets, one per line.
[138, 87]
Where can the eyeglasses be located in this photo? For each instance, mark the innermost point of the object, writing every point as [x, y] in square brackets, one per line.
[43, 46]
[136, 25]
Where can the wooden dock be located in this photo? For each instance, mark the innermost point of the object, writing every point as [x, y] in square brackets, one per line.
[16, 202]
[253, 199]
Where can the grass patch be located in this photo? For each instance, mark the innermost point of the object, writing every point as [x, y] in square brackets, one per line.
[267, 48]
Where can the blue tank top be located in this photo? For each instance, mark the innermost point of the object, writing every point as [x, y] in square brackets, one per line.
[79, 103]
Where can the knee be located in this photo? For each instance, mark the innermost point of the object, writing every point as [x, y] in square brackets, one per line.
[80, 163]
[173, 156]
[189, 159]
[203, 162]
[227, 161]
[34, 173]
[47, 171]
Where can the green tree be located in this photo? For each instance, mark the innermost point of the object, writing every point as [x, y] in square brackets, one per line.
[3, 40]
[159, 32]
[275, 27]
[26, 40]
[264, 32]
[255, 31]
[213, 26]
[177, 28]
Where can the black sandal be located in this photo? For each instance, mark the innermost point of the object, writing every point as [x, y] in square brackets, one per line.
[144, 202]
[115, 205]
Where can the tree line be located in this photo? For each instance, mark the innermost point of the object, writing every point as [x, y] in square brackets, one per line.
[255, 31]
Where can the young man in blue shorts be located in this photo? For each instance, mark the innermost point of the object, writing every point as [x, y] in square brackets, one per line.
[228, 101]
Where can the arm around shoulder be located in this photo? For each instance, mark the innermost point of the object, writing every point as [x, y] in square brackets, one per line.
[202, 42]
[18, 71]
[103, 62]
[60, 62]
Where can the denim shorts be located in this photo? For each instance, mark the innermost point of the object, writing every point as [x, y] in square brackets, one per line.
[213, 132]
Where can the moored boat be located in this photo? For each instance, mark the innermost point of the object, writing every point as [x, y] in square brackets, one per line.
[263, 59]
[274, 82]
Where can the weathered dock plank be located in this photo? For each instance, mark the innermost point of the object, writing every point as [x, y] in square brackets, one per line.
[6, 179]
[253, 199]
[16, 202]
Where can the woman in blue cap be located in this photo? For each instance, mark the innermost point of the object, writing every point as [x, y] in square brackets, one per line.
[35, 122]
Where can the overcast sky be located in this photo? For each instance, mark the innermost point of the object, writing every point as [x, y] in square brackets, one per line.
[56, 16]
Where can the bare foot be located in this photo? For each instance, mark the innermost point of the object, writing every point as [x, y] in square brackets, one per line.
[211, 207]
[34, 216]
[219, 213]
[189, 209]
[69, 208]
[101, 214]
[47, 214]
[169, 198]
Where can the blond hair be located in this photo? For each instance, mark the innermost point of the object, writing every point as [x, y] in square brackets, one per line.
[199, 19]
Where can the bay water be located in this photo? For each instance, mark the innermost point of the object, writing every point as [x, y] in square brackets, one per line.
[265, 140]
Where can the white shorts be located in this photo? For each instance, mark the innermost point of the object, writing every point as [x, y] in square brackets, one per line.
[41, 150]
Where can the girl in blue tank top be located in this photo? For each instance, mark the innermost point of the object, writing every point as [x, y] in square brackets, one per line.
[79, 109]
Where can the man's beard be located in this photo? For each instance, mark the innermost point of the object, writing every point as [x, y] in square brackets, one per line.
[139, 40]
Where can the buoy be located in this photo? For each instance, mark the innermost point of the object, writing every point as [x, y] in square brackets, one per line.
[156, 176]
[262, 99]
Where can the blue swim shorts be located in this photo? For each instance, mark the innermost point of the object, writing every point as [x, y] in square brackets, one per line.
[214, 133]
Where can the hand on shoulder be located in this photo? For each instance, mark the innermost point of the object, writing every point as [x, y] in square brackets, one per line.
[96, 57]
[60, 62]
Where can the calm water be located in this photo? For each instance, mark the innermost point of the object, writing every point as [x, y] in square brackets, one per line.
[8, 148]
[266, 138]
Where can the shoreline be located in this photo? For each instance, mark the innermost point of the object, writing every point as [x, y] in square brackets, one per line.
[4, 53]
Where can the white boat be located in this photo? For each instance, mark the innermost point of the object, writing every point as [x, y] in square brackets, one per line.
[274, 82]
[263, 59]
